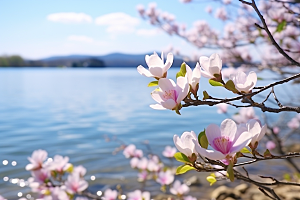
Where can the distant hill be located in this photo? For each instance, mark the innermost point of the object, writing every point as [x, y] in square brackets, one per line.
[109, 60]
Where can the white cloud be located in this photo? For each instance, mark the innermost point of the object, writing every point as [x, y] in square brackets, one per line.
[148, 32]
[118, 22]
[70, 17]
[80, 38]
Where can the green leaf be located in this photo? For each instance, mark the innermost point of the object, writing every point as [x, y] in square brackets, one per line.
[260, 78]
[183, 168]
[211, 180]
[182, 70]
[230, 86]
[202, 139]
[181, 157]
[230, 171]
[287, 177]
[281, 26]
[267, 153]
[153, 83]
[205, 95]
[215, 83]
[245, 150]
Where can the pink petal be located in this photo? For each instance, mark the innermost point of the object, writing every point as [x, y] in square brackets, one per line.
[204, 62]
[215, 64]
[156, 95]
[206, 74]
[169, 62]
[169, 104]
[228, 128]
[144, 71]
[214, 155]
[166, 84]
[182, 88]
[241, 142]
[155, 61]
[212, 132]
[156, 71]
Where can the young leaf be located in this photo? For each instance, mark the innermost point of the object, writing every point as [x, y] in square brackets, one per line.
[182, 70]
[215, 83]
[245, 150]
[183, 168]
[153, 83]
[230, 172]
[230, 86]
[267, 154]
[211, 180]
[205, 95]
[202, 139]
[281, 26]
[181, 157]
[287, 177]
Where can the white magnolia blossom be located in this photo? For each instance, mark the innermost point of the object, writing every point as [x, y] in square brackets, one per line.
[170, 95]
[211, 66]
[244, 83]
[157, 67]
[185, 144]
[257, 131]
[193, 78]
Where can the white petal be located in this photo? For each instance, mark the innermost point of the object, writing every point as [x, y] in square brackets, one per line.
[241, 142]
[214, 155]
[155, 61]
[156, 95]
[215, 64]
[144, 71]
[254, 128]
[189, 73]
[262, 132]
[196, 76]
[156, 71]
[166, 84]
[212, 132]
[169, 62]
[228, 128]
[182, 88]
[206, 74]
[157, 107]
[169, 104]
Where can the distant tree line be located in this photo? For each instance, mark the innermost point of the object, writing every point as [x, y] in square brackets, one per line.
[14, 61]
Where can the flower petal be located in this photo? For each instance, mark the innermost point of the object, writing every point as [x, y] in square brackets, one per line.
[182, 88]
[204, 62]
[157, 107]
[212, 132]
[228, 128]
[156, 95]
[169, 62]
[156, 71]
[215, 64]
[241, 142]
[169, 104]
[155, 61]
[214, 155]
[166, 84]
[144, 71]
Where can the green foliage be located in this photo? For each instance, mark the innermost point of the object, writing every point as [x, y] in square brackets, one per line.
[205, 95]
[183, 169]
[211, 179]
[202, 139]
[280, 26]
[13, 61]
[230, 172]
[245, 150]
[287, 177]
[181, 157]
[267, 154]
[215, 83]
[153, 83]
[182, 70]
[230, 86]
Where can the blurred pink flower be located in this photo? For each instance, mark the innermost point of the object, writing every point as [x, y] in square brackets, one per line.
[185, 143]
[244, 115]
[157, 67]
[293, 124]
[179, 189]
[80, 170]
[270, 145]
[110, 194]
[37, 158]
[59, 164]
[170, 95]
[2, 198]
[40, 175]
[276, 129]
[131, 151]
[75, 184]
[189, 198]
[143, 163]
[134, 162]
[169, 152]
[222, 108]
[165, 178]
[142, 176]
[138, 195]
[254, 127]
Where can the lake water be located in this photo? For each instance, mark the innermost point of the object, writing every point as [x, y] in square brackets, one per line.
[69, 111]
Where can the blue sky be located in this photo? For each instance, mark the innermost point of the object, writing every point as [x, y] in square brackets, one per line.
[38, 29]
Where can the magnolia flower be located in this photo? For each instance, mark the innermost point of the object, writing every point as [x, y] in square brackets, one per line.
[37, 158]
[2, 198]
[170, 95]
[157, 67]
[134, 162]
[244, 83]
[165, 178]
[75, 184]
[211, 67]
[142, 176]
[254, 127]
[189, 198]
[193, 78]
[169, 152]
[270, 145]
[80, 170]
[225, 140]
[185, 144]
[57, 193]
[138, 195]
[222, 108]
[293, 124]
[142, 164]
[131, 151]
[59, 163]
[244, 115]
[276, 129]
[179, 189]
[41, 175]
[110, 194]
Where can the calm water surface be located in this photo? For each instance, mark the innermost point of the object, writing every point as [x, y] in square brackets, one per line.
[69, 111]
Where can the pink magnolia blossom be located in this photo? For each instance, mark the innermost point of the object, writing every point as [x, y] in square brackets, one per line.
[165, 178]
[2, 198]
[189, 198]
[193, 78]
[131, 151]
[211, 67]
[185, 144]
[142, 176]
[225, 140]
[222, 108]
[40, 175]
[276, 129]
[59, 163]
[244, 83]
[75, 184]
[254, 127]
[169, 152]
[157, 67]
[138, 195]
[37, 158]
[270, 145]
[221, 14]
[134, 162]
[227, 72]
[80, 170]
[170, 95]
[293, 124]
[57, 193]
[154, 164]
[143, 163]
[244, 115]
[179, 189]
[110, 194]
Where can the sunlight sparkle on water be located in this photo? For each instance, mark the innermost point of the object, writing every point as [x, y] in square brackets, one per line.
[93, 178]
[123, 196]
[28, 196]
[13, 163]
[5, 162]
[5, 178]
[20, 194]
[99, 193]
